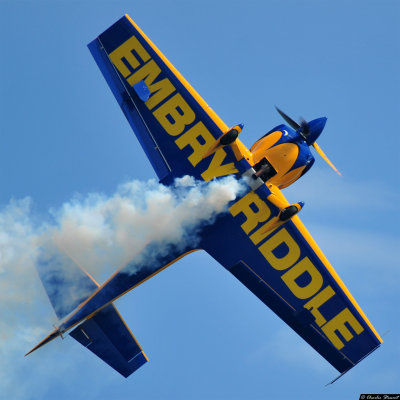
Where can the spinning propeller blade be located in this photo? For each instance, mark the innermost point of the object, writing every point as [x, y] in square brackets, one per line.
[289, 120]
[323, 155]
[309, 132]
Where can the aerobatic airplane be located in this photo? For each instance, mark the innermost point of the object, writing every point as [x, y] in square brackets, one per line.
[260, 240]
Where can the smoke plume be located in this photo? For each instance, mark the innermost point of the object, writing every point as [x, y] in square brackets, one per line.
[100, 234]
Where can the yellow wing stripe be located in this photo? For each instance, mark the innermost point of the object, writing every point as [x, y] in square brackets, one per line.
[221, 125]
[218, 121]
[299, 225]
[210, 112]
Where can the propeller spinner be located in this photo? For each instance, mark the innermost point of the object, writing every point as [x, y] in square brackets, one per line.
[309, 131]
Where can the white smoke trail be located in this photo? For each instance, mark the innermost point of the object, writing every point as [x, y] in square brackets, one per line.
[102, 234]
[18, 252]
[98, 233]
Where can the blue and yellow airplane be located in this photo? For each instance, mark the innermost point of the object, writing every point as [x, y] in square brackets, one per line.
[261, 240]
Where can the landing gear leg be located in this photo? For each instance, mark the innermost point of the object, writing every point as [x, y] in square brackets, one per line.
[290, 211]
[287, 210]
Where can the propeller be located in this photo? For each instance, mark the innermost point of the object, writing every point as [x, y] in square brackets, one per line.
[309, 131]
[323, 155]
[289, 120]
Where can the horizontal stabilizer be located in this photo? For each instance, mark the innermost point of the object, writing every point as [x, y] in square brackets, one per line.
[107, 336]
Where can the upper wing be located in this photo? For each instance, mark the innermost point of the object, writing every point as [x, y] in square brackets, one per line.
[173, 123]
[288, 272]
[283, 267]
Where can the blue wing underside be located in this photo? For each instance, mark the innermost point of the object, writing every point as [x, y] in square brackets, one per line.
[228, 244]
[253, 271]
[225, 240]
[131, 108]
[167, 159]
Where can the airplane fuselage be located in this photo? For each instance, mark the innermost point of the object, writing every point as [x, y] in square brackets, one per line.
[286, 151]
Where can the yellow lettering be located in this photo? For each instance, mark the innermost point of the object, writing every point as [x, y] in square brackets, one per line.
[191, 138]
[161, 90]
[174, 115]
[254, 209]
[317, 301]
[125, 51]
[338, 324]
[260, 234]
[285, 261]
[305, 266]
[216, 168]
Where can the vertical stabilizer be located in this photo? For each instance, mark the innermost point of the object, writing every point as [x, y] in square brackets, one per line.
[66, 284]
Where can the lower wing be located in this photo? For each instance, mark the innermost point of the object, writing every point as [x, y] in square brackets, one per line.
[287, 271]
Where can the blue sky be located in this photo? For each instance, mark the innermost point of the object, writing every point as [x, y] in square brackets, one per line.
[207, 337]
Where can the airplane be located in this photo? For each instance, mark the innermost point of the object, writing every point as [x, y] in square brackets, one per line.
[260, 240]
